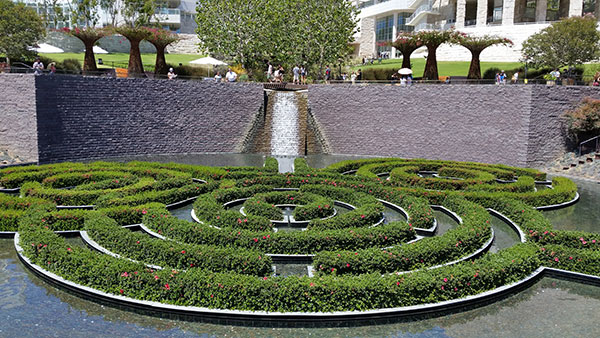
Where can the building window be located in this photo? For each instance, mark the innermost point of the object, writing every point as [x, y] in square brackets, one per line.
[384, 29]
[402, 20]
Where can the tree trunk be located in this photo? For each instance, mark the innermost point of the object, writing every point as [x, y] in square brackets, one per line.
[89, 61]
[135, 67]
[475, 67]
[431, 70]
[160, 67]
[406, 60]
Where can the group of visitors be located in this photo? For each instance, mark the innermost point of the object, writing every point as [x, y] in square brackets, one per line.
[276, 74]
[230, 76]
[38, 67]
[501, 78]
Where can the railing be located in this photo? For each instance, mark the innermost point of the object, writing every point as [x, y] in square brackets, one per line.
[111, 73]
[427, 26]
[428, 7]
[595, 148]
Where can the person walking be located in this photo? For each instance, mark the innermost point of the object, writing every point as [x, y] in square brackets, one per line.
[359, 75]
[303, 74]
[515, 77]
[353, 77]
[269, 71]
[296, 72]
[327, 74]
[218, 77]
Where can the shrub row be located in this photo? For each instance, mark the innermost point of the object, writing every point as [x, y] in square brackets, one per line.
[168, 254]
[499, 170]
[196, 287]
[294, 242]
[463, 240]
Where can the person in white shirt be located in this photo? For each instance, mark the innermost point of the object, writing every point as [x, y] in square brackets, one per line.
[171, 74]
[38, 67]
[231, 76]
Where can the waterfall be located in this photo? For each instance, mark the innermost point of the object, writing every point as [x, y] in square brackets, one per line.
[285, 128]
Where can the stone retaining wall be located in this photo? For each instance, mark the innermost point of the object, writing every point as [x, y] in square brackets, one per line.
[512, 124]
[82, 118]
[18, 127]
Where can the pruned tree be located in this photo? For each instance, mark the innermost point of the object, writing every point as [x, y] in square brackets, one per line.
[568, 42]
[406, 43]
[160, 38]
[136, 15]
[20, 28]
[432, 40]
[89, 36]
[476, 45]
[84, 19]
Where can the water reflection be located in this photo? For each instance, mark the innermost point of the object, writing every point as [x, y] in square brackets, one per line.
[583, 215]
[551, 307]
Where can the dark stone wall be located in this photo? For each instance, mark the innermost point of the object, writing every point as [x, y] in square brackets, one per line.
[18, 127]
[80, 118]
[548, 132]
[516, 125]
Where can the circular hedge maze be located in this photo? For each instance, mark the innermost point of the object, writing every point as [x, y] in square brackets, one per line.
[249, 222]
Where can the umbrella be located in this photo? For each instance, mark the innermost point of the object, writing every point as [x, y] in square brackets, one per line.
[99, 50]
[208, 61]
[405, 71]
[46, 48]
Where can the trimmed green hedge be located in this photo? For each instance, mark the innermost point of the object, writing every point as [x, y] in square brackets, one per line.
[196, 287]
[225, 262]
[167, 254]
[463, 240]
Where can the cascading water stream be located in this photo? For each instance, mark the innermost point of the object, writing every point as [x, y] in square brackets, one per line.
[285, 128]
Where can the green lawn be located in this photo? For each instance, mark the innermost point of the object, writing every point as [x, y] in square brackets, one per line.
[459, 68]
[445, 68]
[121, 59]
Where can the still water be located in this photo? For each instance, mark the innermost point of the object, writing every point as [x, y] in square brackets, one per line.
[550, 308]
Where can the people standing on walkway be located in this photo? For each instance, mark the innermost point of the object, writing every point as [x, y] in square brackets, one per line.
[38, 67]
[231, 76]
[218, 77]
[327, 74]
[296, 72]
[171, 74]
[280, 73]
[353, 77]
[359, 75]
[556, 74]
[502, 77]
[303, 74]
[269, 71]
[515, 77]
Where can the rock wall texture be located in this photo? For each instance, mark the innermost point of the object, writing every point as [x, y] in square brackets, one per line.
[82, 118]
[516, 125]
[18, 126]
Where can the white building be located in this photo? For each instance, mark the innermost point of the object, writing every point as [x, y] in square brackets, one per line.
[175, 15]
[381, 20]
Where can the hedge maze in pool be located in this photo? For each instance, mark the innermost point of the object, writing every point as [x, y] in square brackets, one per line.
[247, 219]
